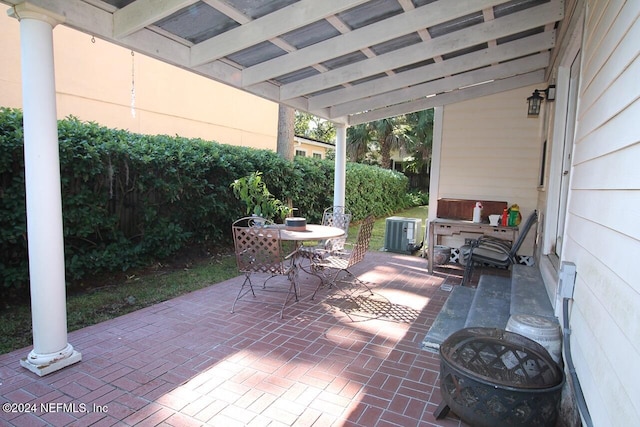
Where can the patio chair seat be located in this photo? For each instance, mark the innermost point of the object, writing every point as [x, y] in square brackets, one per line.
[490, 255]
[336, 216]
[334, 261]
[342, 261]
[492, 251]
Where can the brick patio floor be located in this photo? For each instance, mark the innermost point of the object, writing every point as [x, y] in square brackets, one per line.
[190, 362]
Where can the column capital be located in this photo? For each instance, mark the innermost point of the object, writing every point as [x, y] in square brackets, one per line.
[28, 10]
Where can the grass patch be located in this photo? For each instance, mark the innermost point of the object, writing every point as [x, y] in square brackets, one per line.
[114, 296]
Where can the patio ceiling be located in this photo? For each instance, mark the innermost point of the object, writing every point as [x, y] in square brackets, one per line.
[349, 61]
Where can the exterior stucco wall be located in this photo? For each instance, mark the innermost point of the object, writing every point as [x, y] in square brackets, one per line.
[603, 227]
[491, 151]
[94, 82]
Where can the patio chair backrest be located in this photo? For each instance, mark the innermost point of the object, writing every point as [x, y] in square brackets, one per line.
[258, 247]
[531, 219]
[336, 216]
[361, 246]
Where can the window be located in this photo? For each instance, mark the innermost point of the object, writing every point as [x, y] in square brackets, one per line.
[317, 155]
[301, 153]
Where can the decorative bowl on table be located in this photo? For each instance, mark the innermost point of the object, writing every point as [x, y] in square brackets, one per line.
[295, 224]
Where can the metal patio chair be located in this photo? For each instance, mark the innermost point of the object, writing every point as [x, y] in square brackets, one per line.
[342, 261]
[492, 251]
[336, 216]
[258, 249]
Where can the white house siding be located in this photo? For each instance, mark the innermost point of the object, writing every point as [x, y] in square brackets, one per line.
[491, 151]
[603, 221]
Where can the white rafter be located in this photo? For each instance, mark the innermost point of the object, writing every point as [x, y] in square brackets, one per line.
[504, 52]
[340, 95]
[137, 15]
[498, 86]
[496, 72]
[269, 26]
[373, 34]
[468, 37]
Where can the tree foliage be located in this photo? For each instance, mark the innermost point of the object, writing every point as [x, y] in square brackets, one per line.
[411, 133]
[131, 199]
[313, 127]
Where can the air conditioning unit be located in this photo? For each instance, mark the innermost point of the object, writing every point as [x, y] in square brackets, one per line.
[401, 234]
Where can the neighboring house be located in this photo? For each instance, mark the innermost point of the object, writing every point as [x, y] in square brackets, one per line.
[104, 83]
[307, 147]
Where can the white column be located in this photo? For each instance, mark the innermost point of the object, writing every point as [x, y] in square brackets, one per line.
[340, 177]
[51, 351]
[436, 150]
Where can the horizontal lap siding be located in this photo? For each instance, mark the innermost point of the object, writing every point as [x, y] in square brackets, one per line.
[491, 151]
[603, 228]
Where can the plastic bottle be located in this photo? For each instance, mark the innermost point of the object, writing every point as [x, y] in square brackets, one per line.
[477, 212]
[505, 217]
[514, 212]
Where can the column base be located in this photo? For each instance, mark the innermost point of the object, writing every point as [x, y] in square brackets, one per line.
[43, 364]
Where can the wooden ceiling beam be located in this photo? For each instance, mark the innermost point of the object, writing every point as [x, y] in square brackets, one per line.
[267, 27]
[362, 38]
[137, 15]
[504, 52]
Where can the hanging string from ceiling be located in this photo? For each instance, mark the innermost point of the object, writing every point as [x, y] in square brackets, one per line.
[133, 86]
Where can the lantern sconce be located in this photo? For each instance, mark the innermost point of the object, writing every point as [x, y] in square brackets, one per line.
[535, 100]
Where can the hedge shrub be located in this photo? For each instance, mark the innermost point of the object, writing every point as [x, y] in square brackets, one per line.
[129, 199]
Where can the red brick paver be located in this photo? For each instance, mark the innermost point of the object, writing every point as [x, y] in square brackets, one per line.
[190, 362]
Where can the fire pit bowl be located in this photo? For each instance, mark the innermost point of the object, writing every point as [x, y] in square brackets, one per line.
[492, 377]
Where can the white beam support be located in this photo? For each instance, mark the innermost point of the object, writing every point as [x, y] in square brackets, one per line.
[370, 35]
[137, 15]
[267, 27]
[447, 84]
[340, 174]
[460, 95]
[436, 161]
[507, 51]
[458, 40]
[226, 9]
[51, 351]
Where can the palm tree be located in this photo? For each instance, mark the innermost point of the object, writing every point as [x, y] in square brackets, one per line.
[420, 131]
[409, 133]
[359, 138]
[390, 136]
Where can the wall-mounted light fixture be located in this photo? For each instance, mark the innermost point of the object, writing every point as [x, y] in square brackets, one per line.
[535, 100]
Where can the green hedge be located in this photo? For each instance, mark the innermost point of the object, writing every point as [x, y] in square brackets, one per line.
[129, 199]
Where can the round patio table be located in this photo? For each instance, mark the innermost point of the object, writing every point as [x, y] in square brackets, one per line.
[313, 232]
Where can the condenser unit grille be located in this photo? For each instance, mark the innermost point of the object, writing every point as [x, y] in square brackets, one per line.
[401, 234]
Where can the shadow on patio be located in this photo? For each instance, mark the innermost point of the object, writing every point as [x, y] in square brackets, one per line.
[189, 361]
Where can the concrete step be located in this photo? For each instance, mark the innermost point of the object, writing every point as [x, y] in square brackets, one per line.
[491, 303]
[528, 293]
[451, 318]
